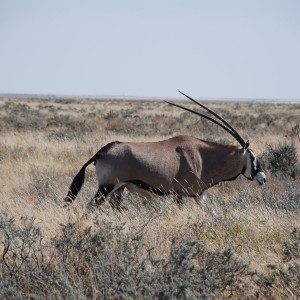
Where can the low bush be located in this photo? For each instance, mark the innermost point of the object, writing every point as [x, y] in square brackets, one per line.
[282, 160]
[110, 264]
[283, 281]
[82, 263]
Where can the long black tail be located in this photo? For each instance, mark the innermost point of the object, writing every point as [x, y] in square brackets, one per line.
[78, 182]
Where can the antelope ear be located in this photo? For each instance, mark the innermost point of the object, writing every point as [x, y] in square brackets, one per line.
[247, 144]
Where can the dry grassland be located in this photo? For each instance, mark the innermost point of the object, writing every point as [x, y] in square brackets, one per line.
[43, 144]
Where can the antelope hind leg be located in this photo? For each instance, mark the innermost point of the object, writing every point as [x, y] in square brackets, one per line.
[116, 200]
[101, 195]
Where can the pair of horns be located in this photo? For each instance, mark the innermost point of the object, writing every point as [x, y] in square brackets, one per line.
[228, 127]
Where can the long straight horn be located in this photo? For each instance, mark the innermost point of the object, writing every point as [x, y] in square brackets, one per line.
[206, 117]
[234, 132]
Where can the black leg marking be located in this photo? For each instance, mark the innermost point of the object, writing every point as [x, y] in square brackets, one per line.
[68, 201]
[148, 188]
[178, 200]
[116, 199]
[101, 194]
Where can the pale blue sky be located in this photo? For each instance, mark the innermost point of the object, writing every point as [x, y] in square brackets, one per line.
[215, 49]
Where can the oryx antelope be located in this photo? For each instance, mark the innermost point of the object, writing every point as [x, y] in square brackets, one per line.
[183, 165]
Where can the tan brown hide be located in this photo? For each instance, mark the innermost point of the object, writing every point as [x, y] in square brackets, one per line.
[183, 164]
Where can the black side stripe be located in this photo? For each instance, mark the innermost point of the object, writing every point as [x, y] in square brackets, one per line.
[148, 187]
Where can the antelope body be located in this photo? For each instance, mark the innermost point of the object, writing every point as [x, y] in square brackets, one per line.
[183, 165]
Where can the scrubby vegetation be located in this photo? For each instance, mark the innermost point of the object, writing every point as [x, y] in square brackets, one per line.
[282, 160]
[105, 261]
[240, 241]
[112, 263]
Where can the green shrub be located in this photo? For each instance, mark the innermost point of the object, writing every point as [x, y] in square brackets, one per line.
[112, 263]
[282, 160]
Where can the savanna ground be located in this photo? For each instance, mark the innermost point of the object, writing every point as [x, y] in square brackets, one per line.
[241, 241]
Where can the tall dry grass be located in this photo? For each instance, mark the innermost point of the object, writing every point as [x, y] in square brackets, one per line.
[245, 235]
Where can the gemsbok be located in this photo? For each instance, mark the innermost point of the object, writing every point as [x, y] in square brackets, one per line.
[182, 165]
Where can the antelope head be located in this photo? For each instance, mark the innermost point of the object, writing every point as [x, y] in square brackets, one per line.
[252, 168]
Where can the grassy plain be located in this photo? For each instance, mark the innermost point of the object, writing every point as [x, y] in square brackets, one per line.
[241, 241]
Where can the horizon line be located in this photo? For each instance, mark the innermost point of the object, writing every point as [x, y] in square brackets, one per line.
[149, 98]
